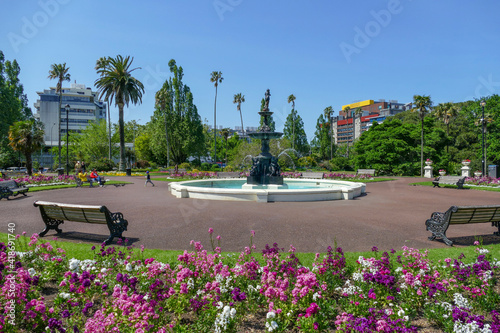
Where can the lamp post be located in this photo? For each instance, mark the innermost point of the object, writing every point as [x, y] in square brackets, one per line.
[67, 107]
[483, 122]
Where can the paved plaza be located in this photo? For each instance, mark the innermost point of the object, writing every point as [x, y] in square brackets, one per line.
[391, 215]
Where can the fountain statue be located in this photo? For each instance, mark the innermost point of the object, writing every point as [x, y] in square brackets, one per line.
[265, 169]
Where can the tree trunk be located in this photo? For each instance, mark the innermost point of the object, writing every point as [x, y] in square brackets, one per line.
[215, 126]
[109, 131]
[59, 121]
[241, 117]
[121, 166]
[422, 147]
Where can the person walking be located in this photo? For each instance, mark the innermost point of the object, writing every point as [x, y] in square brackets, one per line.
[83, 166]
[148, 179]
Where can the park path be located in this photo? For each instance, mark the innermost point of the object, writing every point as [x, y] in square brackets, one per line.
[391, 215]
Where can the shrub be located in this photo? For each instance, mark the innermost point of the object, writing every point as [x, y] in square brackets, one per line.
[102, 164]
[205, 166]
[215, 167]
[186, 166]
[142, 164]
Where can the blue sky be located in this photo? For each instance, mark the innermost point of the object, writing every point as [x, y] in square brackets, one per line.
[324, 52]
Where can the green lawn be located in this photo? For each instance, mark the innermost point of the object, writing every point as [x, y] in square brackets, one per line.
[467, 187]
[81, 251]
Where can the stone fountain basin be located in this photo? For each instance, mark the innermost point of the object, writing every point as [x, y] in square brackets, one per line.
[298, 190]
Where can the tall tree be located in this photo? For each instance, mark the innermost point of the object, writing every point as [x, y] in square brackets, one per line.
[216, 78]
[225, 134]
[60, 73]
[291, 99]
[117, 83]
[103, 62]
[293, 130]
[238, 99]
[321, 141]
[26, 136]
[446, 112]
[327, 112]
[422, 105]
[13, 107]
[176, 114]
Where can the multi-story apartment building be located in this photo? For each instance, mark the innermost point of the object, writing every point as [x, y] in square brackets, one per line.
[351, 123]
[84, 107]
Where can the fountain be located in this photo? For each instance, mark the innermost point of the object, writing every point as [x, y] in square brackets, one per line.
[265, 182]
[265, 169]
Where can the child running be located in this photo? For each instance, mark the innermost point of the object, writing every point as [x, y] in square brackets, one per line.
[148, 179]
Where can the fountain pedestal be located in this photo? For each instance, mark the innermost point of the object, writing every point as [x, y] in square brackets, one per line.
[265, 170]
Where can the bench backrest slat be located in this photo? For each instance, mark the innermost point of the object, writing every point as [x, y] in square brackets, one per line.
[475, 215]
[76, 213]
[316, 175]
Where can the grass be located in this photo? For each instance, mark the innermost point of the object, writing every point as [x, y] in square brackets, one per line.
[467, 187]
[56, 187]
[81, 251]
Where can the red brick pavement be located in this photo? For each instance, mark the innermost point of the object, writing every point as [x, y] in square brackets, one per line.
[390, 215]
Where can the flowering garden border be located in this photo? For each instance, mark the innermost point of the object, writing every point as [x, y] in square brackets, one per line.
[207, 291]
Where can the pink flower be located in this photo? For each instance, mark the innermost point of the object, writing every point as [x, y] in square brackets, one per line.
[210, 231]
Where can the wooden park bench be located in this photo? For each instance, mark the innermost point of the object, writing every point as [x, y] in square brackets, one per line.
[313, 175]
[79, 182]
[11, 188]
[370, 172]
[228, 174]
[449, 180]
[54, 214]
[439, 222]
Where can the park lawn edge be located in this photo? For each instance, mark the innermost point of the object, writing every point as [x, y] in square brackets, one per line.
[81, 250]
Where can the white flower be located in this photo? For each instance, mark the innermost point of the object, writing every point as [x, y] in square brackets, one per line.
[270, 315]
[65, 295]
[128, 267]
[271, 326]
[31, 271]
[316, 296]
[103, 270]
[461, 301]
[73, 264]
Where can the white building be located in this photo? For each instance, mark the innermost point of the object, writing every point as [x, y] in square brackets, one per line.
[84, 106]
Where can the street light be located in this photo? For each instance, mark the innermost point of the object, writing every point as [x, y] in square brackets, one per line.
[67, 107]
[483, 103]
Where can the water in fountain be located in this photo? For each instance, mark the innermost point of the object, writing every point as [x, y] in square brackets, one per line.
[285, 153]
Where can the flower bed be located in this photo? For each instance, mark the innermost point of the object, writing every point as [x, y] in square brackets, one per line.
[482, 181]
[209, 292]
[41, 180]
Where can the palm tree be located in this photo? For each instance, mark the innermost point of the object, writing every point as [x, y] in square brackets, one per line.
[225, 134]
[422, 105]
[103, 63]
[446, 112]
[60, 73]
[216, 78]
[291, 99]
[238, 99]
[117, 83]
[328, 115]
[26, 136]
